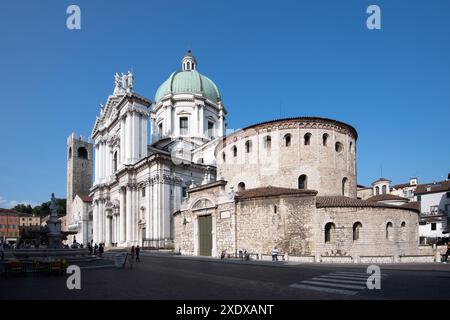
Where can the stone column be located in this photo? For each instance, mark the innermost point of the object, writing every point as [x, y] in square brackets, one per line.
[144, 120]
[108, 228]
[153, 129]
[100, 221]
[129, 142]
[122, 224]
[107, 160]
[135, 214]
[221, 132]
[201, 121]
[136, 137]
[95, 222]
[129, 226]
[148, 212]
[122, 140]
[96, 164]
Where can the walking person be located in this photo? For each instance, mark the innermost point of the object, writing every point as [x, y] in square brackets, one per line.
[133, 253]
[275, 253]
[131, 258]
[137, 253]
[2, 252]
[95, 249]
[101, 249]
[447, 253]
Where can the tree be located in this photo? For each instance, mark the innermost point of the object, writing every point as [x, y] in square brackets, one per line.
[44, 209]
[23, 208]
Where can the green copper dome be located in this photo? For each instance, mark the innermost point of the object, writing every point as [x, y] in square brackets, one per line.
[188, 80]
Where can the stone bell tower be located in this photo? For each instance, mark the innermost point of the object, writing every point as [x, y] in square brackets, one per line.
[79, 169]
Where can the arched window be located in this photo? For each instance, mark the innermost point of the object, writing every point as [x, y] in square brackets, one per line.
[248, 146]
[302, 181]
[223, 157]
[307, 139]
[82, 153]
[344, 186]
[234, 151]
[351, 146]
[241, 186]
[329, 232]
[403, 231]
[267, 142]
[356, 230]
[115, 162]
[325, 139]
[70, 152]
[383, 188]
[377, 190]
[389, 231]
[287, 140]
[339, 147]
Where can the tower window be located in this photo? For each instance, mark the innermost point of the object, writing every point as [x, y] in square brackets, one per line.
[183, 125]
[325, 139]
[223, 157]
[377, 190]
[383, 188]
[241, 186]
[329, 232]
[287, 140]
[389, 235]
[268, 142]
[160, 129]
[356, 230]
[70, 152]
[248, 146]
[339, 147]
[302, 181]
[82, 153]
[307, 139]
[344, 186]
[234, 151]
[211, 129]
[143, 192]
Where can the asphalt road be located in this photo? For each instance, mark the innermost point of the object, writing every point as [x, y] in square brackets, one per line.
[168, 277]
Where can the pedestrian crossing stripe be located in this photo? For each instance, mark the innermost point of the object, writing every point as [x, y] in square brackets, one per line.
[340, 282]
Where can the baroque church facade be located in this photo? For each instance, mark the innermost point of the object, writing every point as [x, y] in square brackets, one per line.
[138, 184]
[290, 183]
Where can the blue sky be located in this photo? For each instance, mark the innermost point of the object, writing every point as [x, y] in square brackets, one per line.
[270, 59]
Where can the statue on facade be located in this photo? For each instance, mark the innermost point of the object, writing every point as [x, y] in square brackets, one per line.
[124, 81]
[117, 84]
[130, 81]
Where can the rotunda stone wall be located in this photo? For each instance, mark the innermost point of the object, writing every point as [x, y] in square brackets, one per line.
[310, 153]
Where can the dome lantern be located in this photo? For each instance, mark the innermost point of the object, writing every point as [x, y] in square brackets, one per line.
[188, 63]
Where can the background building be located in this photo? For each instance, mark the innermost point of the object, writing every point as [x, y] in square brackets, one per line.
[9, 226]
[435, 211]
[79, 181]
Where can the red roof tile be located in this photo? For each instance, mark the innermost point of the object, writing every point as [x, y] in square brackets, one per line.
[341, 201]
[384, 197]
[271, 191]
[85, 198]
[439, 186]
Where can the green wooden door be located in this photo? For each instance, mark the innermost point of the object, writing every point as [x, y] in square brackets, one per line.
[205, 235]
